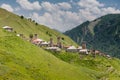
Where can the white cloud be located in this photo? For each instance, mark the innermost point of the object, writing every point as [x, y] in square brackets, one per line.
[25, 4]
[7, 7]
[91, 9]
[55, 7]
[109, 10]
[49, 6]
[90, 3]
[63, 15]
[60, 16]
[61, 20]
[65, 5]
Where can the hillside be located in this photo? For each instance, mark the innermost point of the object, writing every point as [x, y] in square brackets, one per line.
[26, 27]
[102, 34]
[21, 60]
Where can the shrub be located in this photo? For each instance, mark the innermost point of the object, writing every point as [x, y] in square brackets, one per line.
[31, 36]
[22, 17]
[36, 23]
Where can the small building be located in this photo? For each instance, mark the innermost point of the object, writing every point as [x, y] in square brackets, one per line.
[51, 42]
[83, 51]
[59, 44]
[79, 48]
[44, 44]
[71, 49]
[37, 41]
[83, 45]
[97, 52]
[8, 28]
[65, 47]
[108, 56]
[53, 48]
[18, 35]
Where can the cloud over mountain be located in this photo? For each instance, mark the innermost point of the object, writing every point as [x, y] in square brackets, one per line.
[62, 15]
[59, 15]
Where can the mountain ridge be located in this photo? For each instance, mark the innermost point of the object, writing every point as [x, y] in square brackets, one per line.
[102, 34]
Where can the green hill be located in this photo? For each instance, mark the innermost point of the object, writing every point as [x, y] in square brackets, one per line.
[21, 60]
[27, 27]
[102, 34]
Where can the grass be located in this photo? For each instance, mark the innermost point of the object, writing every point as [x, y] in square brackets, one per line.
[21, 60]
[102, 67]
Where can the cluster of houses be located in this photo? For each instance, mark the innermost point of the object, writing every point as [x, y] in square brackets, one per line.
[59, 46]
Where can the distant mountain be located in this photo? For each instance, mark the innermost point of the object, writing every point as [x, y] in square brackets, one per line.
[102, 34]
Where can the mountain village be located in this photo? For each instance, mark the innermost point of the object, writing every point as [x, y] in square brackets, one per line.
[57, 47]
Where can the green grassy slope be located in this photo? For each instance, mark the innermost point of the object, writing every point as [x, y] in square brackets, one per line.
[102, 68]
[20, 60]
[27, 27]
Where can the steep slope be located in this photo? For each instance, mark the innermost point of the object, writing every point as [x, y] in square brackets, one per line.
[20, 60]
[103, 68]
[25, 26]
[102, 34]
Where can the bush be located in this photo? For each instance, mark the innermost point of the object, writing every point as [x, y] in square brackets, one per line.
[36, 23]
[31, 36]
[63, 38]
[22, 17]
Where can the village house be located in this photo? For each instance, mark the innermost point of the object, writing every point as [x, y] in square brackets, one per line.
[44, 44]
[8, 28]
[65, 47]
[37, 41]
[108, 56]
[83, 45]
[53, 46]
[53, 49]
[20, 35]
[79, 48]
[83, 51]
[59, 44]
[71, 49]
[51, 42]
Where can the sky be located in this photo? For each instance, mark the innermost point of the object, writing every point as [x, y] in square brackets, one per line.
[62, 15]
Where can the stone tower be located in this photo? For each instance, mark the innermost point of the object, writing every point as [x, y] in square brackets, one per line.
[35, 36]
[51, 42]
[59, 44]
[83, 45]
